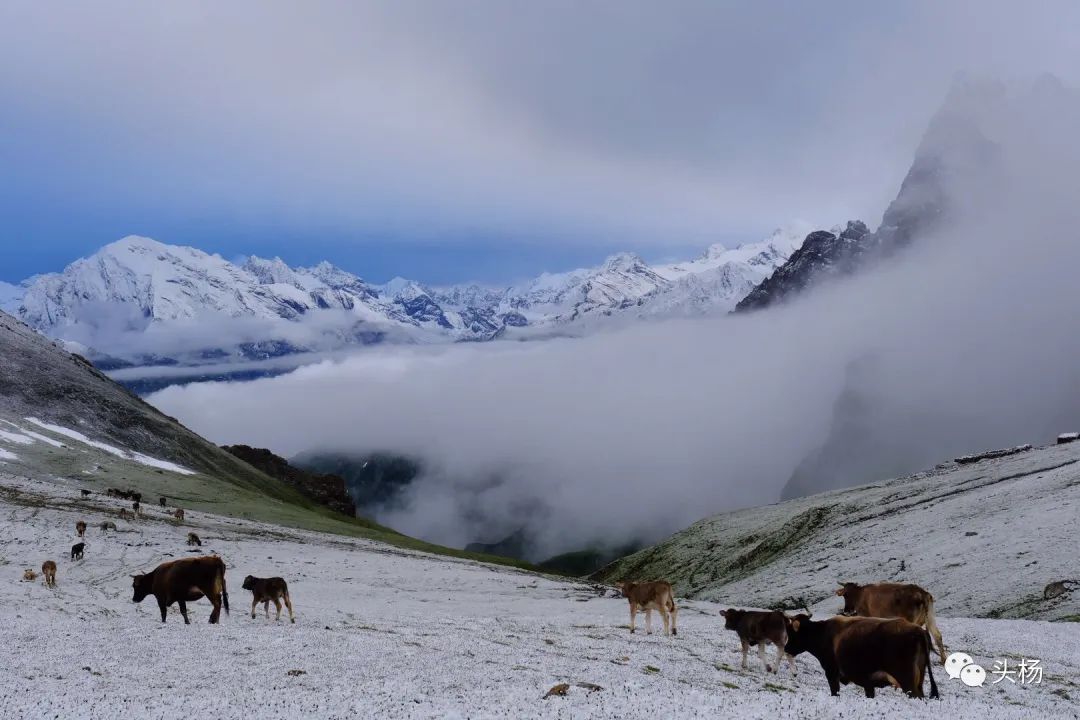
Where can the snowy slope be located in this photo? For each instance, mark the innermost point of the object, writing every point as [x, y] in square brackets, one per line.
[388, 633]
[984, 538]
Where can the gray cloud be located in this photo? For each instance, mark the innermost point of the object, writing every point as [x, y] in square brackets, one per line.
[641, 430]
[637, 122]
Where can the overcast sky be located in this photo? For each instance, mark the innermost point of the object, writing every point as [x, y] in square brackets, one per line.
[475, 140]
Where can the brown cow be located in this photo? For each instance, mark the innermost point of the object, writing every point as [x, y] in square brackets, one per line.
[179, 514]
[29, 575]
[893, 600]
[183, 581]
[125, 514]
[870, 652]
[265, 590]
[757, 627]
[48, 569]
[193, 539]
[649, 596]
[80, 528]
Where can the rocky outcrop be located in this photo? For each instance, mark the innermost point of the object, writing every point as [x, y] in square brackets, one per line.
[328, 490]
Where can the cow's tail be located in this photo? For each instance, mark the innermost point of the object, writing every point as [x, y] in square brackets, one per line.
[932, 628]
[930, 665]
[224, 590]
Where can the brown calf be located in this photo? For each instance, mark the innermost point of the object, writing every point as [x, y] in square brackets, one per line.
[649, 596]
[893, 600]
[265, 590]
[29, 576]
[870, 652]
[179, 514]
[80, 528]
[757, 627]
[48, 569]
[125, 514]
[183, 581]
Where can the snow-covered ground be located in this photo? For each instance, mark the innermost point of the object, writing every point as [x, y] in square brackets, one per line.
[387, 633]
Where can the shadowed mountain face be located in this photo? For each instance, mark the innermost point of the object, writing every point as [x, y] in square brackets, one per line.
[328, 490]
[373, 481]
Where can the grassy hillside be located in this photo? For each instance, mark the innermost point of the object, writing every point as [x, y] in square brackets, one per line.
[38, 379]
[984, 538]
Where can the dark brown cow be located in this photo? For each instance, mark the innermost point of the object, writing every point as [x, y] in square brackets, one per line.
[649, 596]
[48, 569]
[757, 627]
[161, 501]
[77, 551]
[193, 539]
[80, 528]
[893, 600]
[265, 590]
[870, 652]
[184, 581]
[85, 493]
[179, 515]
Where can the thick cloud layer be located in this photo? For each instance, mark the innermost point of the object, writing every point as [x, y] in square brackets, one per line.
[630, 124]
[637, 432]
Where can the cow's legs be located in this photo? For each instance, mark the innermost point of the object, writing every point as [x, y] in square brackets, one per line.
[794, 670]
[761, 654]
[216, 612]
[633, 617]
[779, 658]
[869, 691]
[164, 609]
[288, 604]
[266, 608]
[667, 622]
[183, 611]
[277, 604]
[254, 604]
[648, 621]
[674, 618]
[745, 649]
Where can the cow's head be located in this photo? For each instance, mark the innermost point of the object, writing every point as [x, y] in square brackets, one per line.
[851, 592]
[249, 583]
[731, 618]
[625, 586]
[143, 585]
[798, 628]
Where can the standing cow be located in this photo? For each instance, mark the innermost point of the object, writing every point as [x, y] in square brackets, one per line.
[649, 596]
[80, 528]
[161, 501]
[265, 590]
[179, 515]
[893, 600]
[758, 627]
[48, 569]
[184, 581]
[870, 652]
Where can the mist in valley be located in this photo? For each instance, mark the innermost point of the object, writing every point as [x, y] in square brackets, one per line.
[964, 340]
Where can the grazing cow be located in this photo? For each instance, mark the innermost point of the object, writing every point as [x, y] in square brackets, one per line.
[77, 551]
[870, 652]
[80, 528]
[125, 514]
[85, 493]
[893, 600]
[265, 590]
[29, 576]
[757, 627]
[108, 525]
[161, 502]
[649, 596]
[112, 492]
[184, 581]
[193, 539]
[48, 569]
[179, 514]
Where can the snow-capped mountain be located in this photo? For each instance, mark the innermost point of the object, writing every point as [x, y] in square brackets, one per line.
[142, 301]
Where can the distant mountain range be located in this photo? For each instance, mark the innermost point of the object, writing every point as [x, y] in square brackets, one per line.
[141, 302]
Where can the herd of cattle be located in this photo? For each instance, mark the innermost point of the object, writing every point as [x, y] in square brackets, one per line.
[881, 639]
[177, 581]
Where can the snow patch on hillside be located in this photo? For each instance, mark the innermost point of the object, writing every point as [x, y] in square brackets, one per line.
[112, 450]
